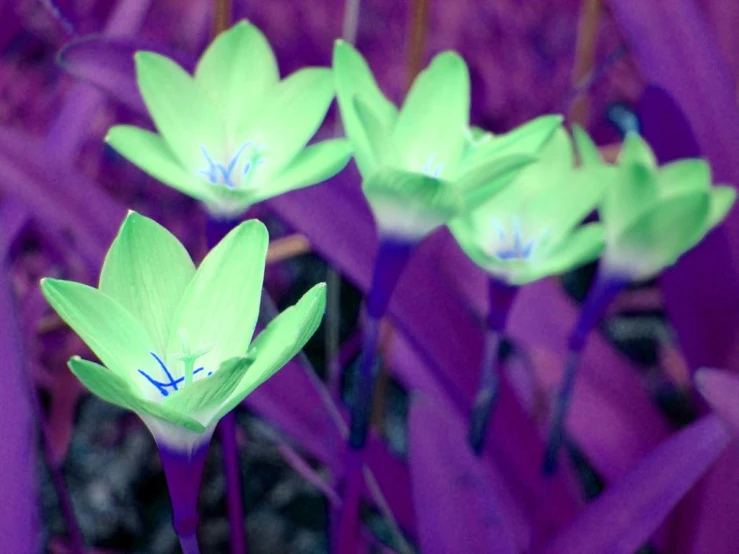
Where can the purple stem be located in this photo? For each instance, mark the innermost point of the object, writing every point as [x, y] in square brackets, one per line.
[184, 471]
[601, 294]
[216, 229]
[501, 297]
[392, 256]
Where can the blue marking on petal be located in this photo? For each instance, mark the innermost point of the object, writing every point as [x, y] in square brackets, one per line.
[173, 383]
[222, 175]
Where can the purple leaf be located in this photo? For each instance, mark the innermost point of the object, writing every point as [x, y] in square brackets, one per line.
[107, 63]
[674, 47]
[626, 515]
[457, 508]
[721, 391]
[19, 521]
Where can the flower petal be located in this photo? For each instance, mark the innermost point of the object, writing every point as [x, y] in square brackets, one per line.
[219, 308]
[112, 388]
[147, 270]
[111, 331]
[354, 79]
[479, 183]
[381, 147]
[408, 205]
[237, 70]
[722, 200]
[636, 150]
[581, 247]
[626, 199]
[432, 126]
[149, 151]
[313, 165]
[206, 395]
[684, 176]
[183, 113]
[526, 139]
[278, 343]
[289, 119]
[587, 151]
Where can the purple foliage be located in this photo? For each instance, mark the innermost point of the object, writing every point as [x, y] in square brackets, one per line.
[627, 477]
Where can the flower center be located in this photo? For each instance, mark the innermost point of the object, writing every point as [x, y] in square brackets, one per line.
[511, 243]
[171, 383]
[238, 171]
[431, 169]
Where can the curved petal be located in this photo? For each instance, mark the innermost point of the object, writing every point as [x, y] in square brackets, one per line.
[479, 183]
[722, 200]
[313, 165]
[431, 130]
[408, 205]
[379, 135]
[218, 310]
[684, 176]
[632, 193]
[237, 71]
[111, 331]
[587, 152]
[112, 388]
[183, 113]
[636, 150]
[147, 270]
[354, 79]
[289, 119]
[149, 151]
[583, 246]
[278, 343]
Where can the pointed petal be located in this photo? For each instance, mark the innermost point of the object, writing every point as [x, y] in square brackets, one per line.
[111, 332]
[183, 113]
[581, 247]
[479, 183]
[383, 152]
[684, 176]
[631, 194]
[313, 165]
[149, 151]
[203, 397]
[408, 205]
[587, 150]
[526, 139]
[432, 125]
[237, 71]
[636, 150]
[219, 308]
[354, 79]
[147, 270]
[279, 342]
[722, 200]
[112, 388]
[289, 119]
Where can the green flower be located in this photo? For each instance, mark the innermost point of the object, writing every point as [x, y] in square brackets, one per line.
[175, 341]
[422, 165]
[531, 229]
[652, 215]
[233, 134]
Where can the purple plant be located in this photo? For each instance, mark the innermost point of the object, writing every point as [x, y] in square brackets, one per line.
[643, 462]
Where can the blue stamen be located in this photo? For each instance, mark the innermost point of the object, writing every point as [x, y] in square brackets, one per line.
[219, 174]
[432, 170]
[173, 383]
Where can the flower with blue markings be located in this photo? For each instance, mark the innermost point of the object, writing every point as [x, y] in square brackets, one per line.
[175, 341]
[233, 134]
[423, 165]
[531, 229]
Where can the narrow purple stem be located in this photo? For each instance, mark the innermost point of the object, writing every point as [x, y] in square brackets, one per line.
[501, 297]
[392, 256]
[189, 544]
[184, 471]
[601, 294]
[215, 230]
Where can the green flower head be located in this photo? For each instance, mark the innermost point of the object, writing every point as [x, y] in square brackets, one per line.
[531, 229]
[176, 342]
[233, 134]
[652, 215]
[422, 165]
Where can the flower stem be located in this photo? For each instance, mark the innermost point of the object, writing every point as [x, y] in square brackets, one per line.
[501, 298]
[189, 544]
[601, 294]
[216, 229]
[391, 259]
